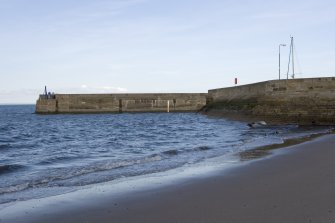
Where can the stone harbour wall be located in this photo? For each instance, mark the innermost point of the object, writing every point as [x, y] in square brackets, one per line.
[116, 103]
[302, 101]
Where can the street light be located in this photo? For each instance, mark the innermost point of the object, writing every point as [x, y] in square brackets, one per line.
[279, 57]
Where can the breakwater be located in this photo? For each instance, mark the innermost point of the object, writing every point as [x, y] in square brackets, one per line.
[301, 101]
[117, 103]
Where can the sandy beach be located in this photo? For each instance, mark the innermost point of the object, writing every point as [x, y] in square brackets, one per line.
[296, 184]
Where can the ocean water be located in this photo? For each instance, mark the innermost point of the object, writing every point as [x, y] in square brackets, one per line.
[43, 155]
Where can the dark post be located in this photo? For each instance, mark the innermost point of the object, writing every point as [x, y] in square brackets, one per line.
[45, 92]
[120, 105]
[279, 57]
[292, 57]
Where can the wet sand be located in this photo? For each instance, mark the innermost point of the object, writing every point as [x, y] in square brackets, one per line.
[296, 184]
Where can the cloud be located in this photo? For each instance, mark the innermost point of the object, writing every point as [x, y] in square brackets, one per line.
[82, 14]
[274, 15]
[118, 89]
[22, 96]
[29, 96]
[86, 89]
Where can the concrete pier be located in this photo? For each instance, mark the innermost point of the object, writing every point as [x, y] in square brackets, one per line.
[302, 101]
[116, 103]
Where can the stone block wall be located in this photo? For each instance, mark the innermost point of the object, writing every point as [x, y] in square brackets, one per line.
[303, 101]
[115, 103]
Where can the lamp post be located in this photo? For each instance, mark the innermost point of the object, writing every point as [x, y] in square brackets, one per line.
[279, 57]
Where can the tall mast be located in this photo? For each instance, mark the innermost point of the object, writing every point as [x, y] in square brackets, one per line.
[291, 57]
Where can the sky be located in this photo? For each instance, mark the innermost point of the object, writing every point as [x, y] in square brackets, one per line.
[136, 46]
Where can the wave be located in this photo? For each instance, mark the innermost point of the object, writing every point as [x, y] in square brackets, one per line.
[202, 148]
[14, 188]
[117, 164]
[52, 179]
[58, 159]
[74, 172]
[5, 146]
[6, 128]
[172, 152]
[9, 168]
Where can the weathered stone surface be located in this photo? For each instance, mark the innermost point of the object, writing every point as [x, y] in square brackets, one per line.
[303, 101]
[109, 103]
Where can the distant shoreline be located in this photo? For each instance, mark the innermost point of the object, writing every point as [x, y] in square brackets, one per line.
[17, 104]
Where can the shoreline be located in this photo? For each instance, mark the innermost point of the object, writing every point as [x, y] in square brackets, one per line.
[206, 166]
[268, 150]
[213, 142]
[255, 191]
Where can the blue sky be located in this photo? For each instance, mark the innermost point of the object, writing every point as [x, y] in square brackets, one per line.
[134, 46]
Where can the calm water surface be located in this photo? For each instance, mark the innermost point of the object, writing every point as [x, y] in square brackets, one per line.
[41, 155]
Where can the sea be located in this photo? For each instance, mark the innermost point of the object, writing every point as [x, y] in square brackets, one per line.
[46, 155]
